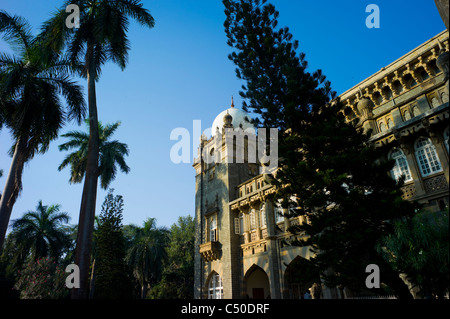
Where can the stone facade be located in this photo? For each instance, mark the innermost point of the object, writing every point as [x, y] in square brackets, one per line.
[405, 104]
[242, 246]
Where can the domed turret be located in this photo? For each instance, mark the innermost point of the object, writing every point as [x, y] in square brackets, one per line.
[227, 120]
[365, 107]
[232, 117]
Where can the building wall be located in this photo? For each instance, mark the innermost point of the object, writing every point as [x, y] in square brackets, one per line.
[401, 103]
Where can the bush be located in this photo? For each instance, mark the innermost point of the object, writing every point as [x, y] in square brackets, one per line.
[42, 279]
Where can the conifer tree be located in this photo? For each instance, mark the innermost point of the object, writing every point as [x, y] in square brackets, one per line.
[329, 171]
[111, 275]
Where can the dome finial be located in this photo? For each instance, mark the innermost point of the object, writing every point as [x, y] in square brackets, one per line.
[232, 102]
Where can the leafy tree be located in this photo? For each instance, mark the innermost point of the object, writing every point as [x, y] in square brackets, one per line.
[41, 233]
[111, 273]
[178, 274]
[32, 83]
[111, 154]
[42, 279]
[101, 37]
[147, 253]
[419, 248]
[329, 171]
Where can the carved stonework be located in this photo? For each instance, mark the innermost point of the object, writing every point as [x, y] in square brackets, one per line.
[435, 184]
[210, 251]
[409, 191]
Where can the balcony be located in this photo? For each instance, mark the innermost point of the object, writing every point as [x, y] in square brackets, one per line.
[210, 251]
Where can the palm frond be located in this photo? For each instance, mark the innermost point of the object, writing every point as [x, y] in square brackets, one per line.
[17, 33]
[108, 130]
[134, 9]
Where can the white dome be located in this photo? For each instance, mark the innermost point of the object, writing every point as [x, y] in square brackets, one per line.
[240, 119]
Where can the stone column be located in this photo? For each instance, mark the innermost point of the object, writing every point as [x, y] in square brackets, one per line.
[443, 7]
[273, 253]
[442, 154]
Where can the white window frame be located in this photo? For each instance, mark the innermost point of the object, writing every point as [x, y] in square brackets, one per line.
[427, 157]
[213, 228]
[239, 224]
[262, 216]
[279, 216]
[215, 287]
[253, 217]
[401, 166]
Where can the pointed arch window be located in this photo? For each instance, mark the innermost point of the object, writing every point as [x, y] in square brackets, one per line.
[215, 287]
[401, 165]
[407, 115]
[262, 216]
[252, 219]
[427, 157]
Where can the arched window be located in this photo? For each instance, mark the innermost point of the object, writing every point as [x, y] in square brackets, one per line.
[446, 137]
[252, 219]
[215, 287]
[241, 223]
[279, 214]
[426, 157]
[444, 97]
[387, 92]
[401, 165]
[262, 216]
[390, 123]
[435, 102]
[407, 115]
[423, 74]
[409, 80]
[378, 98]
[398, 87]
[382, 127]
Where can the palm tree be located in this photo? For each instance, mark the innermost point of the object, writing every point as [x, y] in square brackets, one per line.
[42, 232]
[101, 37]
[31, 83]
[147, 253]
[111, 154]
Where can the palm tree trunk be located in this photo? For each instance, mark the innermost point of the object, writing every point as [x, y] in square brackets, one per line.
[89, 196]
[92, 283]
[12, 187]
[143, 291]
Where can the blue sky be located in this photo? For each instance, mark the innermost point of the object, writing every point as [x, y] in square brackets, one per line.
[179, 72]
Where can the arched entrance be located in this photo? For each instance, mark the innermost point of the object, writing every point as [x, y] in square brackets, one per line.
[257, 283]
[301, 275]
